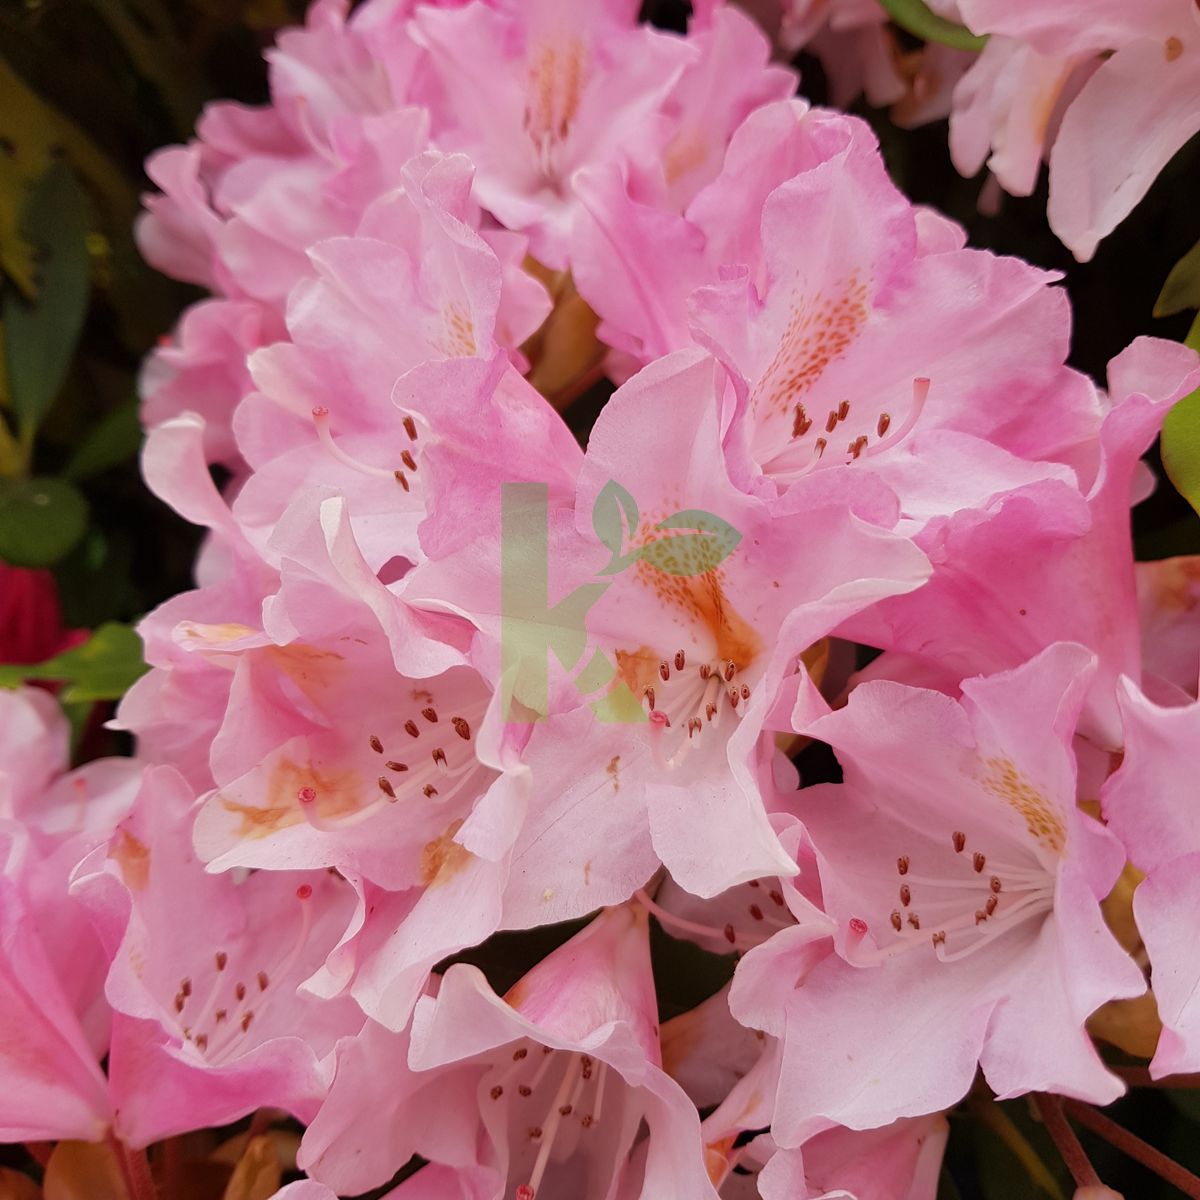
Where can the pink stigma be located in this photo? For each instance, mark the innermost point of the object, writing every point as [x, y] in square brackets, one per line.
[858, 927]
[306, 795]
[525, 1192]
[659, 718]
[304, 891]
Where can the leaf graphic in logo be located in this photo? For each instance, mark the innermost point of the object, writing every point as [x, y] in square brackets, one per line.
[693, 553]
[615, 518]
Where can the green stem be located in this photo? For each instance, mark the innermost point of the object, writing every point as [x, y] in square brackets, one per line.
[916, 17]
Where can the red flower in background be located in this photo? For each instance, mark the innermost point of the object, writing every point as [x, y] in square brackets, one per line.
[31, 626]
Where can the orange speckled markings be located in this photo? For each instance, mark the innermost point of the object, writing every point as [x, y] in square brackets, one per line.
[820, 331]
[1003, 779]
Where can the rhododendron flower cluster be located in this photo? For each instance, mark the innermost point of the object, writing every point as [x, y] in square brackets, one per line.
[447, 673]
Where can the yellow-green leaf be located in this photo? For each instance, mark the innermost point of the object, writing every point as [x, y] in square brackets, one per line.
[918, 19]
[1182, 289]
[103, 668]
[1181, 439]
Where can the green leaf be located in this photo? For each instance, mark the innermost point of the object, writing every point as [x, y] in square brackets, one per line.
[103, 668]
[40, 520]
[115, 438]
[614, 512]
[917, 18]
[1181, 439]
[40, 337]
[1182, 289]
[689, 554]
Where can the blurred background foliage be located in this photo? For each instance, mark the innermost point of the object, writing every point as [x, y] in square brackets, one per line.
[88, 88]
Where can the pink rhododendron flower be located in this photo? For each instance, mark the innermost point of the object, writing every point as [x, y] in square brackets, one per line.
[52, 967]
[574, 84]
[965, 885]
[208, 1022]
[979, 613]
[543, 1091]
[706, 647]
[1149, 803]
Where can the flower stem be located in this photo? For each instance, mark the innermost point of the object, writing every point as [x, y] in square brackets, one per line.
[135, 1169]
[1073, 1154]
[992, 1115]
[1131, 1144]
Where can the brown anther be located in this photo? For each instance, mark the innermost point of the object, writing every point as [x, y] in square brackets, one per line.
[535, 1132]
[185, 987]
[745, 692]
[995, 884]
[897, 923]
[585, 1065]
[756, 912]
[694, 725]
[520, 1054]
[393, 765]
[734, 697]
[220, 958]
[680, 660]
[819, 446]
[843, 410]
[831, 422]
[649, 695]
[497, 1092]
[179, 1000]
[461, 728]
[914, 920]
[884, 421]
[902, 864]
[857, 446]
[980, 916]
[1172, 48]
[776, 896]
[220, 1015]
[801, 423]
[753, 883]
[990, 906]
[376, 744]
[525, 1090]
[439, 756]
[710, 711]
[564, 1110]
[430, 714]
[410, 727]
[402, 480]
[978, 861]
[905, 895]
[202, 1041]
[263, 980]
[960, 840]
[705, 670]
[410, 427]
[407, 459]
[729, 670]
[240, 991]
[386, 788]
[587, 1121]
[247, 1017]
[664, 670]
[730, 936]
[939, 938]
[429, 791]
